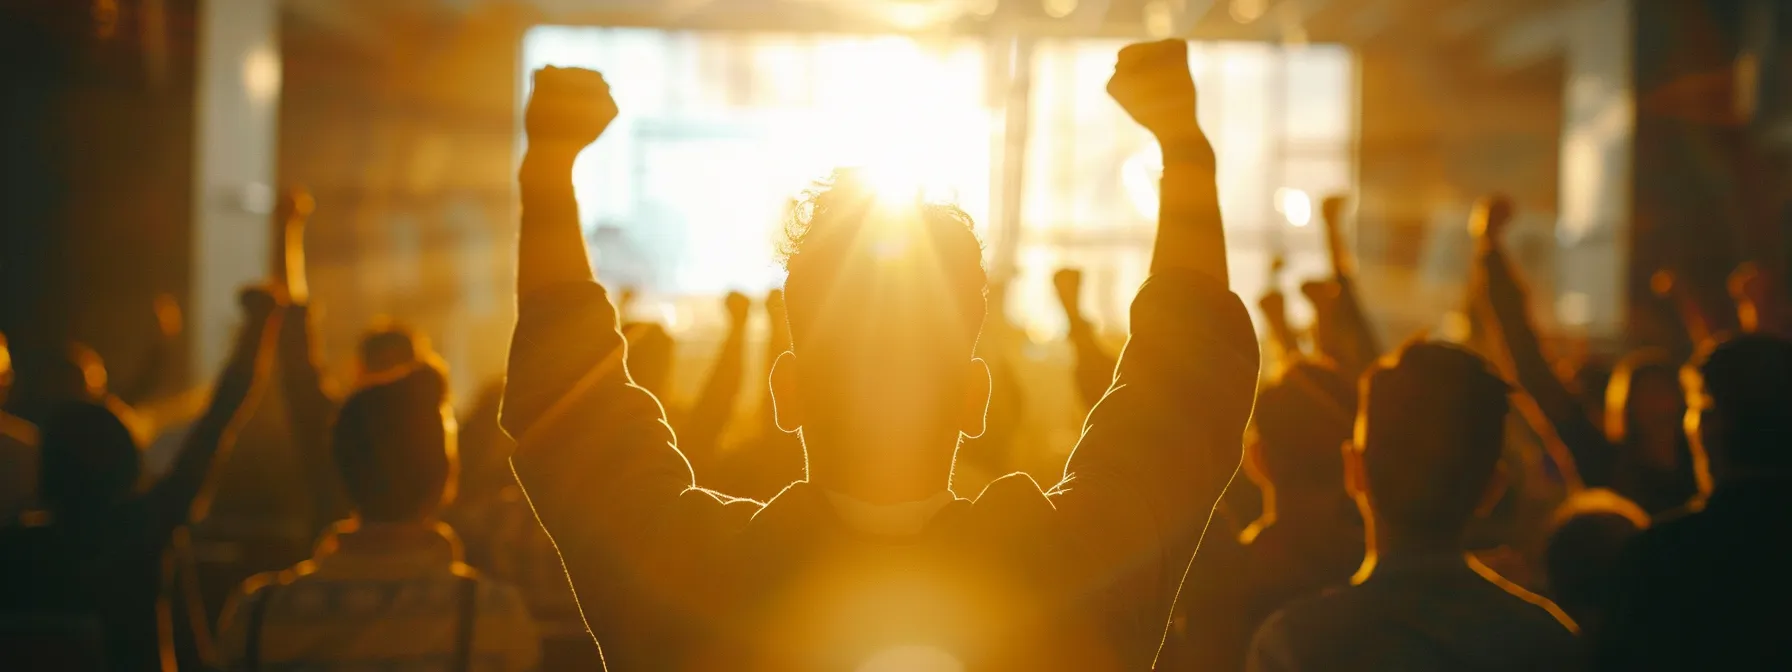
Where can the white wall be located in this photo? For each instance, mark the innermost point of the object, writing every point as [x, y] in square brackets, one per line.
[238, 94]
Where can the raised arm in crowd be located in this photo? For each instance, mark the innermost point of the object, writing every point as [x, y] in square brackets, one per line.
[885, 301]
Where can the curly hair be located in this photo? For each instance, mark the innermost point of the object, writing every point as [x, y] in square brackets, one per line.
[825, 234]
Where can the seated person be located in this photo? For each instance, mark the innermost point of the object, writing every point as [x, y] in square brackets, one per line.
[873, 562]
[1425, 461]
[386, 587]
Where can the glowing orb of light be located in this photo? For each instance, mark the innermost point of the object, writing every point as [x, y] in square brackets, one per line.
[1295, 205]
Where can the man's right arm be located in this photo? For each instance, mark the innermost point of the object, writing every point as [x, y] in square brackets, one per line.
[1160, 447]
[1504, 299]
[594, 453]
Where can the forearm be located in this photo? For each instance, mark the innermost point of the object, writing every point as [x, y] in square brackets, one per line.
[1094, 369]
[550, 245]
[1190, 231]
[172, 498]
[1505, 302]
[716, 402]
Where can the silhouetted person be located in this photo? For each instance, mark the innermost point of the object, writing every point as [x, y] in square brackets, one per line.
[1640, 451]
[1709, 590]
[1094, 369]
[98, 557]
[311, 397]
[1424, 463]
[874, 561]
[1581, 554]
[1310, 536]
[387, 587]
[18, 451]
[770, 458]
[1341, 328]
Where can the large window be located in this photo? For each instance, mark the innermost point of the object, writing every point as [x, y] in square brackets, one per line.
[685, 195]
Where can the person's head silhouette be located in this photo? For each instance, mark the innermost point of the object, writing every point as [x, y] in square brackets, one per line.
[1643, 407]
[885, 298]
[1301, 419]
[1428, 445]
[389, 346]
[1586, 535]
[1739, 406]
[394, 447]
[90, 461]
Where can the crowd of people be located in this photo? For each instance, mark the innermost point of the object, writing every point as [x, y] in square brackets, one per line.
[1304, 500]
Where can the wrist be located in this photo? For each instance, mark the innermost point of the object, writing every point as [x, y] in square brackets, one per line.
[1186, 149]
[548, 161]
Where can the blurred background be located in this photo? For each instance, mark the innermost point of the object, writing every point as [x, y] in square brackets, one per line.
[143, 143]
[156, 132]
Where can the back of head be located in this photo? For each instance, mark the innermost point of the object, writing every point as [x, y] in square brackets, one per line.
[1431, 431]
[90, 460]
[885, 299]
[1587, 533]
[389, 346]
[1744, 386]
[393, 444]
[1642, 398]
[1302, 420]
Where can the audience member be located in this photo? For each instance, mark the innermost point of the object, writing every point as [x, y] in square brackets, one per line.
[1708, 590]
[1425, 461]
[387, 587]
[1585, 535]
[874, 561]
[98, 556]
[386, 349]
[1309, 537]
[1094, 368]
[1640, 452]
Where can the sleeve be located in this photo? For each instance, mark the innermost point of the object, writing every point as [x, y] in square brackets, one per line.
[1159, 449]
[1505, 300]
[600, 467]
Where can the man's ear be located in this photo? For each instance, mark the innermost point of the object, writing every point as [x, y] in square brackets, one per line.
[787, 395]
[974, 409]
[1496, 490]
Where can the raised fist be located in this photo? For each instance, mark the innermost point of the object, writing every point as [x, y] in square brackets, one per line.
[1492, 213]
[168, 315]
[258, 302]
[1332, 208]
[1069, 283]
[295, 203]
[1152, 83]
[1748, 283]
[738, 306]
[1662, 283]
[568, 109]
